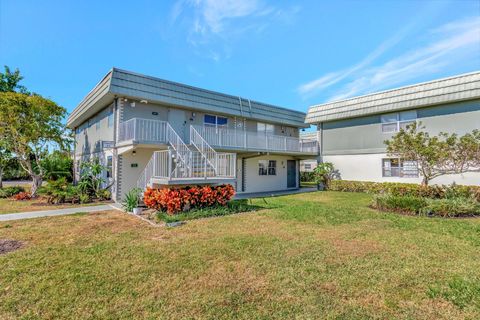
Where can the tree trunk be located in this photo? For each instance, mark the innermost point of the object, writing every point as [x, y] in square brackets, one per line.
[36, 183]
[1, 177]
[425, 181]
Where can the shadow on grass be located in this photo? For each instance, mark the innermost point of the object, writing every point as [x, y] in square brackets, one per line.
[233, 207]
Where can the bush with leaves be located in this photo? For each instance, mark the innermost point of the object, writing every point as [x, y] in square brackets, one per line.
[60, 191]
[174, 200]
[22, 196]
[132, 199]
[407, 189]
[307, 176]
[452, 207]
[91, 180]
[8, 192]
[325, 173]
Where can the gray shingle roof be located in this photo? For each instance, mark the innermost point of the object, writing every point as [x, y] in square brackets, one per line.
[452, 89]
[137, 86]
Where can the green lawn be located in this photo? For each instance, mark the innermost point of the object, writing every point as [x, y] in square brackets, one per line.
[308, 256]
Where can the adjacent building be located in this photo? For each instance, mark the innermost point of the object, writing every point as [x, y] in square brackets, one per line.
[152, 132]
[352, 132]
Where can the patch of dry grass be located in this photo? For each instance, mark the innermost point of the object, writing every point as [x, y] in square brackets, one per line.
[316, 255]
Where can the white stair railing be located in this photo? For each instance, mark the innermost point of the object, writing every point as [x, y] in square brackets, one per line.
[205, 149]
[182, 154]
[180, 162]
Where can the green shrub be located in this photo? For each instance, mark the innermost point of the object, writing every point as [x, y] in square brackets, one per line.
[8, 192]
[307, 176]
[60, 191]
[408, 204]
[104, 194]
[132, 198]
[84, 198]
[453, 207]
[407, 189]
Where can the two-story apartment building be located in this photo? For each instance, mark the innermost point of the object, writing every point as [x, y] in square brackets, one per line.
[152, 132]
[352, 132]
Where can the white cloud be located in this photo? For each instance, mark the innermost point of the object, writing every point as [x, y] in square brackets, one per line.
[220, 21]
[446, 46]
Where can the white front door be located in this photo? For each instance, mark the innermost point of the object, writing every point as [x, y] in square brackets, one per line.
[177, 119]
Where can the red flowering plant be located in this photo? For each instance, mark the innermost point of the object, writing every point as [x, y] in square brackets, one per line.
[174, 200]
[22, 196]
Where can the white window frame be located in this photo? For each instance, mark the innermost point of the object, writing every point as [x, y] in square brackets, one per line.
[109, 167]
[399, 123]
[265, 128]
[401, 170]
[216, 125]
[267, 167]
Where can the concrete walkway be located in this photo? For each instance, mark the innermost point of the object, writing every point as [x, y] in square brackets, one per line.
[272, 193]
[57, 212]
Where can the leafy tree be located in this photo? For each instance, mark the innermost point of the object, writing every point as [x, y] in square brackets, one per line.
[5, 157]
[9, 81]
[30, 125]
[58, 164]
[436, 155]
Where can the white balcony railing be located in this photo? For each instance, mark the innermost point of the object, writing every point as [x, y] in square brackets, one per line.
[163, 165]
[239, 139]
[144, 130]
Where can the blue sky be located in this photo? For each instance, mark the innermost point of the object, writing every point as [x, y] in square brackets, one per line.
[289, 53]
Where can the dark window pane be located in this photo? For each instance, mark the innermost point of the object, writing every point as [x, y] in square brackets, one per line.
[221, 121]
[209, 119]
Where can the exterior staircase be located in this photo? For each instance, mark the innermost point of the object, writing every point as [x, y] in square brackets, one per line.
[182, 164]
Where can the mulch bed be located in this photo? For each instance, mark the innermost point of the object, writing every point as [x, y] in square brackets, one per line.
[9, 245]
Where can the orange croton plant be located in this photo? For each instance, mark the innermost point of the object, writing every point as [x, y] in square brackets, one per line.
[174, 200]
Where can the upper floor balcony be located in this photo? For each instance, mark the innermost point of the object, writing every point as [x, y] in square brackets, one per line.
[225, 138]
[138, 130]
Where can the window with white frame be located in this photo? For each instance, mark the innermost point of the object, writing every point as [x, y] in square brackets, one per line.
[109, 166]
[267, 167]
[266, 128]
[394, 167]
[215, 121]
[393, 122]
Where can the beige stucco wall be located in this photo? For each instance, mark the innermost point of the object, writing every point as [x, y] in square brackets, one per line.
[87, 139]
[256, 183]
[128, 176]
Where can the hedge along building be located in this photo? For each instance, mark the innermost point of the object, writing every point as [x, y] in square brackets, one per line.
[352, 132]
[153, 132]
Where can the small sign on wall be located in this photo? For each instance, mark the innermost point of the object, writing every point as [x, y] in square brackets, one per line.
[134, 165]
